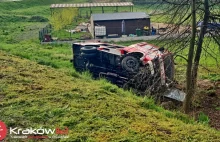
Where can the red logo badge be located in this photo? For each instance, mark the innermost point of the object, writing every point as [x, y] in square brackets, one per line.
[3, 130]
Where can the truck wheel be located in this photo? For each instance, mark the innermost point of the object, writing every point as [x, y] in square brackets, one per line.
[88, 49]
[130, 64]
[90, 55]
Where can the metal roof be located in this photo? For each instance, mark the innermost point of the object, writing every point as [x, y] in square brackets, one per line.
[119, 16]
[91, 4]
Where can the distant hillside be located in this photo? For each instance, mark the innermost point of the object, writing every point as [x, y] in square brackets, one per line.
[32, 95]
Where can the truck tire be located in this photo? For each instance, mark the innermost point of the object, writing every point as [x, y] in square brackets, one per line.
[90, 55]
[88, 49]
[130, 64]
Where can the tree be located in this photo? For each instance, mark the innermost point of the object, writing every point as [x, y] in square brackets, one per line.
[63, 17]
[189, 79]
[194, 71]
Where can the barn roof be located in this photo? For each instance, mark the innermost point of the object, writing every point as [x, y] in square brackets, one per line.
[119, 16]
[91, 4]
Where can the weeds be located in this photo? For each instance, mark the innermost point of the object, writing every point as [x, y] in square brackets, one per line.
[217, 108]
[203, 118]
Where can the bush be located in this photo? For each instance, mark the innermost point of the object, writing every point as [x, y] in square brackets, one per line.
[38, 19]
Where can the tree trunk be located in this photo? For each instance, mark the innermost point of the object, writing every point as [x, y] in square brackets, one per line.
[189, 81]
[200, 42]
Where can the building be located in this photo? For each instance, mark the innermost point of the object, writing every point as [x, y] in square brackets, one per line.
[119, 24]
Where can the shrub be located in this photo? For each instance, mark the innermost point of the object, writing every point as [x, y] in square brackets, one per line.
[38, 19]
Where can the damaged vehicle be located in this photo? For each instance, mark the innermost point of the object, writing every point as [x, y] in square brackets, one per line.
[142, 66]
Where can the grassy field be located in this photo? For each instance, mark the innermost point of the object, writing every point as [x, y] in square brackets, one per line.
[40, 88]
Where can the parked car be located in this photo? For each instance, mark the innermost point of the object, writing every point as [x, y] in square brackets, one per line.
[211, 26]
[139, 66]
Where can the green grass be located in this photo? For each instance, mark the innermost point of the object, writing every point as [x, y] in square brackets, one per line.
[203, 118]
[57, 56]
[65, 35]
[15, 17]
[39, 96]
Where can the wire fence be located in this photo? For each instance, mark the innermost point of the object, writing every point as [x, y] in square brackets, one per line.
[45, 31]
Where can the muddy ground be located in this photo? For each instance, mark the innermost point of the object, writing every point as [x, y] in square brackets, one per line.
[207, 100]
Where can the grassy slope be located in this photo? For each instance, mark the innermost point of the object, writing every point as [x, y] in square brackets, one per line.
[33, 95]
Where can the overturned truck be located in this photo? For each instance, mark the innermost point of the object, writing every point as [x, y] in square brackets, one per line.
[143, 67]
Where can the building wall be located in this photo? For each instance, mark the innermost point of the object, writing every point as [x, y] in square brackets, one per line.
[115, 27]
